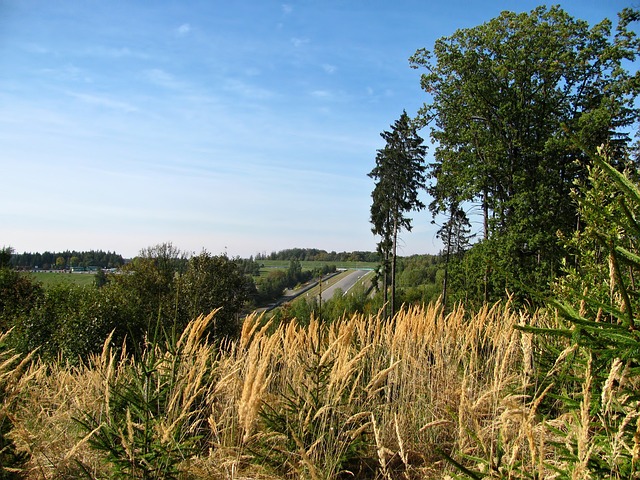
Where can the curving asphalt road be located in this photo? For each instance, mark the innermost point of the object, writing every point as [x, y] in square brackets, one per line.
[344, 284]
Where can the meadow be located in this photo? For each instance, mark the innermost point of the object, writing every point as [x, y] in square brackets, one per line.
[313, 265]
[363, 397]
[49, 279]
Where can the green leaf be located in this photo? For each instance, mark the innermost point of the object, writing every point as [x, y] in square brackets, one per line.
[631, 190]
[555, 332]
[629, 256]
[459, 466]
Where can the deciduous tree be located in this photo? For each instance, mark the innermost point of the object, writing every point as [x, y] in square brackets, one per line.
[19, 293]
[455, 234]
[514, 104]
[212, 282]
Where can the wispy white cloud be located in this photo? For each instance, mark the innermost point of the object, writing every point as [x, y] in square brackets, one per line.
[67, 73]
[333, 95]
[321, 94]
[18, 113]
[328, 68]
[36, 48]
[252, 71]
[183, 29]
[247, 90]
[249, 117]
[164, 79]
[299, 42]
[103, 101]
[112, 52]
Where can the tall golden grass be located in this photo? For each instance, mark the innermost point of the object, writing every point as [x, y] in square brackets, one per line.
[410, 390]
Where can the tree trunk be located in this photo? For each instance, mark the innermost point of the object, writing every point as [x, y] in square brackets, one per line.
[485, 212]
[385, 283]
[447, 257]
[393, 266]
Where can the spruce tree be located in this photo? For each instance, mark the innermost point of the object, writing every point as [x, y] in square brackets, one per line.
[399, 176]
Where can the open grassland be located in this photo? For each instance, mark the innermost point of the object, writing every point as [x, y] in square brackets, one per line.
[377, 398]
[311, 265]
[49, 279]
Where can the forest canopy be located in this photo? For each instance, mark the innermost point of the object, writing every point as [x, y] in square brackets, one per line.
[516, 107]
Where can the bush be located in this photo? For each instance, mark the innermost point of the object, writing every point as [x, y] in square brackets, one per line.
[153, 411]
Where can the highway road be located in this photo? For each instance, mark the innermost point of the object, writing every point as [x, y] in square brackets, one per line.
[344, 284]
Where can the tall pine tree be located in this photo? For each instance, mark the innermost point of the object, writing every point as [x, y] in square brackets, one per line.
[399, 176]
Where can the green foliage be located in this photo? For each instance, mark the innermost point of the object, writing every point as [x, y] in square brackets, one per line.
[18, 295]
[302, 310]
[162, 284]
[100, 278]
[212, 282]
[516, 102]
[5, 256]
[149, 290]
[587, 375]
[455, 234]
[11, 368]
[59, 260]
[74, 322]
[311, 430]
[399, 177]
[316, 255]
[248, 266]
[474, 276]
[598, 299]
[153, 409]
[420, 279]
[607, 241]
[271, 287]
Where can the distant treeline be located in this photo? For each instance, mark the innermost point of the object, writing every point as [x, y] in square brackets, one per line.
[66, 259]
[314, 254]
[101, 259]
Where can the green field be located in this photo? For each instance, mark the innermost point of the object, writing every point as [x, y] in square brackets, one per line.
[49, 279]
[310, 265]
[55, 278]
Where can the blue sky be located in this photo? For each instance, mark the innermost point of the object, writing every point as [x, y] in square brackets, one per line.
[238, 126]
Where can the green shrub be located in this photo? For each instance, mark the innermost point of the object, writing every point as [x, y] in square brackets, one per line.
[596, 391]
[155, 406]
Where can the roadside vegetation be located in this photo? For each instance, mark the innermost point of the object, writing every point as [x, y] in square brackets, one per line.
[513, 354]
